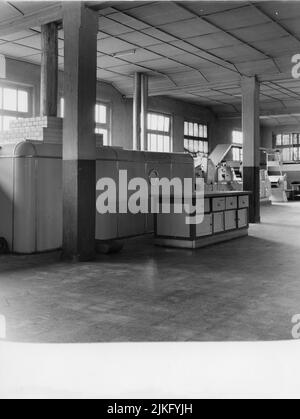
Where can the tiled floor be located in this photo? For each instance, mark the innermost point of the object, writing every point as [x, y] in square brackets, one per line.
[247, 289]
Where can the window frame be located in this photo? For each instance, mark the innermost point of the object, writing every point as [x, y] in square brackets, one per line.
[160, 133]
[198, 138]
[289, 146]
[17, 87]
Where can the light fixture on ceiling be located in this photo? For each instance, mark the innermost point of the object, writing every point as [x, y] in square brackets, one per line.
[2, 67]
[276, 13]
[124, 53]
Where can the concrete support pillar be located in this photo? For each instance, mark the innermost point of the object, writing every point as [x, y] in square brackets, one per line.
[140, 109]
[251, 132]
[137, 111]
[144, 111]
[79, 142]
[49, 69]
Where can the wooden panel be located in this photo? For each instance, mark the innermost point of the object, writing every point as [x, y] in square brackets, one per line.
[244, 201]
[231, 203]
[218, 222]
[243, 218]
[207, 205]
[230, 220]
[206, 227]
[218, 204]
[172, 225]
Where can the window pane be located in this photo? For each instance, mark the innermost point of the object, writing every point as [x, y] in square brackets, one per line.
[10, 99]
[205, 147]
[201, 132]
[196, 130]
[295, 139]
[101, 114]
[161, 123]
[22, 101]
[286, 154]
[167, 142]
[205, 133]
[237, 137]
[104, 133]
[167, 124]
[286, 139]
[186, 144]
[191, 129]
[154, 122]
[1, 95]
[62, 107]
[186, 129]
[278, 139]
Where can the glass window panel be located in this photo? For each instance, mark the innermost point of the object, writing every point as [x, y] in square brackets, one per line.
[62, 107]
[205, 147]
[167, 124]
[205, 133]
[10, 99]
[201, 132]
[286, 154]
[186, 129]
[1, 95]
[154, 122]
[166, 145]
[191, 129]
[237, 137]
[186, 144]
[278, 139]
[101, 114]
[104, 133]
[160, 143]
[196, 130]
[295, 139]
[22, 101]
[160, 123]
[286, 139]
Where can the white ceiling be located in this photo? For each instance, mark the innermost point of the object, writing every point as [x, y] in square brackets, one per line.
[194, 51]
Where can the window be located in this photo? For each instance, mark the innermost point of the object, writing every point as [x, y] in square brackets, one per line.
[289, 144]
[159, 133]
[195, 138]
[14, 103]
[102, 119]
[237, 149]
[237, 137]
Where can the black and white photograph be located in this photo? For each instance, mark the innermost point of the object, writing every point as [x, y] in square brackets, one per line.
[149, 202]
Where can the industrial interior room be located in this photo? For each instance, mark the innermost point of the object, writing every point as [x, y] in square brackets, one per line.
[200, 90]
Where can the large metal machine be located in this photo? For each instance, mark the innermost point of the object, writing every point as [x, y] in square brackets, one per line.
[31, 210]
[219, 174]
[275, 175]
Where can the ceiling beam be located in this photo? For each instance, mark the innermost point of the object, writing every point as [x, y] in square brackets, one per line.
[228, 65]
[272, 19]
[48, 14]
[227, 32]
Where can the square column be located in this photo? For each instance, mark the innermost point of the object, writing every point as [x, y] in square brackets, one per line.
[49, 70]
[140, 109]
[251, 133]
[79, 140]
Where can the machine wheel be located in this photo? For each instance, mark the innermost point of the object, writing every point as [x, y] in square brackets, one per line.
[3, 246]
